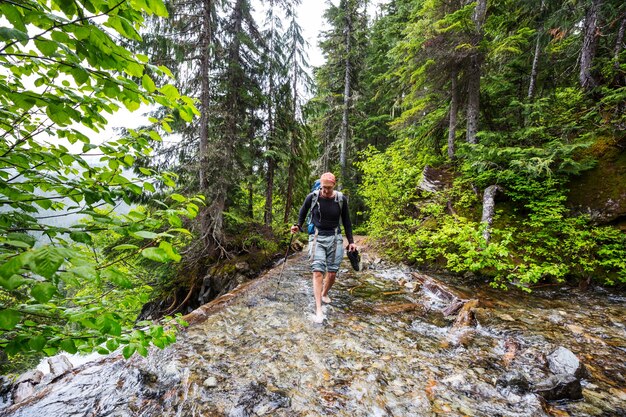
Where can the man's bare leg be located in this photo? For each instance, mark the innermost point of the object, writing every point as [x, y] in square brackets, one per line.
[328, 283]
[318, 277]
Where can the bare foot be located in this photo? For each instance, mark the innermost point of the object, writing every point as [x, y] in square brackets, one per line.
[319, 318]
[326, 299]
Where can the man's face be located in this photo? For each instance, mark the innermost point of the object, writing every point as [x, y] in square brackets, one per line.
[327, 188]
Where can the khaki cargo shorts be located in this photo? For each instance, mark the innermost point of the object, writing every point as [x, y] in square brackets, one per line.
[325, 252]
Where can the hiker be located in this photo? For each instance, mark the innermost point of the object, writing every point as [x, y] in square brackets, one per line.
[327, 207]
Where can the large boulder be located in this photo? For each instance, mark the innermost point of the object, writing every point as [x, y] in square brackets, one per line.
[563, 361]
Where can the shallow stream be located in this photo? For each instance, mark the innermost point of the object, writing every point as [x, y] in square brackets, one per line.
[386, 349]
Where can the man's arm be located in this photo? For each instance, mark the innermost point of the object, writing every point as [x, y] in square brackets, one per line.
[345, 219]
[304, 210]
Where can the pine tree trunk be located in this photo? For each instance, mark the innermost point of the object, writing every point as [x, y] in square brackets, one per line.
[454, 110]
[473, 99]
[535, 68]
[204, 97]
[590, 42]
[269, 179]
[619, 43]
[473, 87]
[290, 180]
[345, 131]
[292, 144]
[488, 210]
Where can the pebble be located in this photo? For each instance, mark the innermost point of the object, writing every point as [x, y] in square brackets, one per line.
[210, 382]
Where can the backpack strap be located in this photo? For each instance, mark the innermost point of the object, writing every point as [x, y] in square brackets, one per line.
[339, 199]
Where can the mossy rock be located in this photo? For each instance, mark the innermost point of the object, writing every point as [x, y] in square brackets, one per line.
[601, 191]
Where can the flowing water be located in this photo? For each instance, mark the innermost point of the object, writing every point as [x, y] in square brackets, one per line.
[384, 350]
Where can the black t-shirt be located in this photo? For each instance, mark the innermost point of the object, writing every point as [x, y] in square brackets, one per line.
[326, 216]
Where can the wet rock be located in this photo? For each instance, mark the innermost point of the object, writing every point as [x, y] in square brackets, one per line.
[33, 377]
[25, 385]
[560, 387]
[563, 361]
[511, 347]
[515, 381]
[5, 388]
[466, 317]
[59, 365]
[453, 308]
[210, 382]
[257, 401]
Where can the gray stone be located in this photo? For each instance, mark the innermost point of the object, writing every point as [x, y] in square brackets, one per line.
[23, 391]
[560, 387]
[563, 361]
[33, 376]
[210, 382]
[59, 365]
[515, 381]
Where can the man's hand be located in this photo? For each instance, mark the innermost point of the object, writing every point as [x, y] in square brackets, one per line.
[295, 228]
[351, 247]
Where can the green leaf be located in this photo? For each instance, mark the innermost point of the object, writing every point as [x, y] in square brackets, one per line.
[170, 251]
[11, 266]
[154, 135]
[144, 234]
[141, 349]
[155, 254]
[147, 83]
[9, 319]
[47, 48]
[126, 246]
[175, 221]
[117, 277]
[81, 237]
[129, 350]
[69, 346]
[13, 282]
[43, 291]
[158, 7]
[22, 237]
[169, 91]
[37, 343]
[148, 187]
[46, 261]
[177, 197]
[17, 244]
[13, 15]
[112, 344]
[8, 35]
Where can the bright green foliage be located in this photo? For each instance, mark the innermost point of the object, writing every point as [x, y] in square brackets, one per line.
[63, 74]
[537, 130]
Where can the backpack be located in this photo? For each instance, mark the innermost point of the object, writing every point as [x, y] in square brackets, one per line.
[315, 190]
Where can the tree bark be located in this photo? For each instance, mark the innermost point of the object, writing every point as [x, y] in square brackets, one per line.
[488, 210]
[619, 43]
[269, 179]
[473, 99]
[590, 42]
[454, 110]
[204, 96]
[345, 131]
[535, 68]
[473, 86]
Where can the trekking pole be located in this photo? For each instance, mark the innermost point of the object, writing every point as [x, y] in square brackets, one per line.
[284, 262]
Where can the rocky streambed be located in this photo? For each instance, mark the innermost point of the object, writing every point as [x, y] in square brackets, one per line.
[395, 343]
